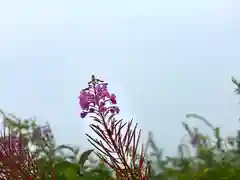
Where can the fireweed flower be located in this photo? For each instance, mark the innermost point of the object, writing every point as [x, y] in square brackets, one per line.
[95, 99]
[119, 141]
[16, 161]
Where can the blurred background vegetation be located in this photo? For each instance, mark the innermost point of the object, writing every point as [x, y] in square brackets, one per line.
[200, 157]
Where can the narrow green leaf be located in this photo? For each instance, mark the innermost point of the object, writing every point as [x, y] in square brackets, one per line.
[84, 156]
[217, 132]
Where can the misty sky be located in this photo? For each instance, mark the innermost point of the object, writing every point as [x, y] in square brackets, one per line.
[163, 59]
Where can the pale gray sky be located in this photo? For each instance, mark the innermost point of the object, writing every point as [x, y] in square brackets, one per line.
[162, 58]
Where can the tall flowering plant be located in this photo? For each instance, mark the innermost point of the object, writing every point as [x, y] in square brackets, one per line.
[15, 161]
[118, 141]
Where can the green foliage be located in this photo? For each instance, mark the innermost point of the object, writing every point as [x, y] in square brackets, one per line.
[213, 160]
[52, 158]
